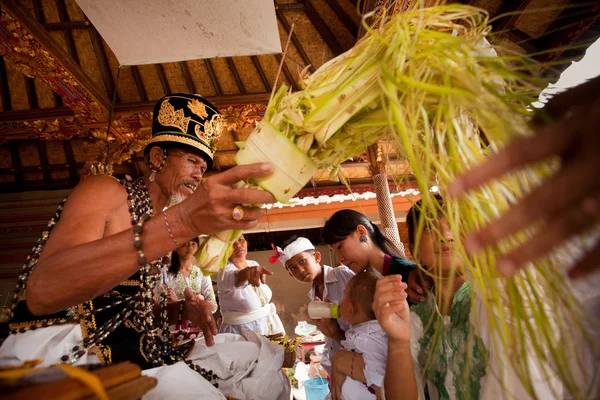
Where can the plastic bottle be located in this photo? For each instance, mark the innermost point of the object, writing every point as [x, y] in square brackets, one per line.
[323, 310]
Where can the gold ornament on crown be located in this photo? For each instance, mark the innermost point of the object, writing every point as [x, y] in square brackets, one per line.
[212, 130]
[167, 116]
[198, 108]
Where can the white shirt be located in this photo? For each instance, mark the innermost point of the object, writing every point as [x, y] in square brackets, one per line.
[370, 340]
[245, 298]
[335, 280]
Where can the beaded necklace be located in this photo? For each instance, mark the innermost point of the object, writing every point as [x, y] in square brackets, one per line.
[136, 310]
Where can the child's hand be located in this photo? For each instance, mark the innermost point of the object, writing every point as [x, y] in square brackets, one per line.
[391, 307]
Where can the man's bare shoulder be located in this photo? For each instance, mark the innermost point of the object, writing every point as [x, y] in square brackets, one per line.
[99, 190]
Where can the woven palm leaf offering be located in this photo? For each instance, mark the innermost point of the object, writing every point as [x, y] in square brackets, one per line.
[429, 81]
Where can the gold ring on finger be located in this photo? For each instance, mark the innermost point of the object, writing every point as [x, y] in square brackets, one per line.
[237, 213]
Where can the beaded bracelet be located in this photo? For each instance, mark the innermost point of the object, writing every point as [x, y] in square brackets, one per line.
[352, 366]
[169, 229]
[137, 241]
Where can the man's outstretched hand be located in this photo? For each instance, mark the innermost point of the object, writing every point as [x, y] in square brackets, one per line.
[568, 202]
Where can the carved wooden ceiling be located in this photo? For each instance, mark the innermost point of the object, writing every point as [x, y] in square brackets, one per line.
[58, 77]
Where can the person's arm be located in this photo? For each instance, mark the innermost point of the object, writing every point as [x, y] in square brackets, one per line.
[350, 364]
[391, 309]
[78, 263]
[345, 364]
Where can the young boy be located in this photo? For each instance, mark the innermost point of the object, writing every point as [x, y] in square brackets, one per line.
[302, 261]
[359, 369]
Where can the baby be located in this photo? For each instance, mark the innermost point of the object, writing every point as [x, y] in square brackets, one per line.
[359, 369]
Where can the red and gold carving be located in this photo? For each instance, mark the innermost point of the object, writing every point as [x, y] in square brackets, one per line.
[27, 55]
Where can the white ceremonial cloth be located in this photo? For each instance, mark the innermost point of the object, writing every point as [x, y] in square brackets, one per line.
[161, 31]
[249, 366]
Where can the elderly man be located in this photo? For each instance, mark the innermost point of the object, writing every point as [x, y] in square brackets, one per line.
[86, 293]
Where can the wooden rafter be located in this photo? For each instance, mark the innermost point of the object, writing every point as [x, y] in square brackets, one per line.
[236, 75]
[213, 77]
[63, 16]
[322, 28]
[16, 161]
[4, 89]
[42, 151]
[286, 25]
[290, 7]
[32, 115]
[219, 101]
[164, 82]
[103, 64]
[348, 22]
[31, 95]
[261, 73]
[287, 73]
[66, 25]
[509, 7]
[39, 17]
[138, 83]
[187, 77]
[70, 161]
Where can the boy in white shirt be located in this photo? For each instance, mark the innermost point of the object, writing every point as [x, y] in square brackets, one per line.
[302, 261]
[359, 369]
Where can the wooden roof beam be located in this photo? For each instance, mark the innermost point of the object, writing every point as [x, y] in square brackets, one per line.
[322, 28]
[213, 77]
[295, 41]
[26, 44]
[164, 82]
[287, 73]
[348, 22]
[185, 71]
[128, 108]
[261, 73]
[63, 16]
[236, 75]
[138, 83]
[43, 152]
[102, 58]
[31, 95]
[41, 18]
[4, 89]
[289, 7]
[66, 25]
[219, 101]
[507, 22]
[16, 162]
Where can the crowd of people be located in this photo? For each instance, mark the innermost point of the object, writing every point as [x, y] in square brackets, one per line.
[74, 306]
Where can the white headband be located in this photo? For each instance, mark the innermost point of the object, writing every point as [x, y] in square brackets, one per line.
[296, 247]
